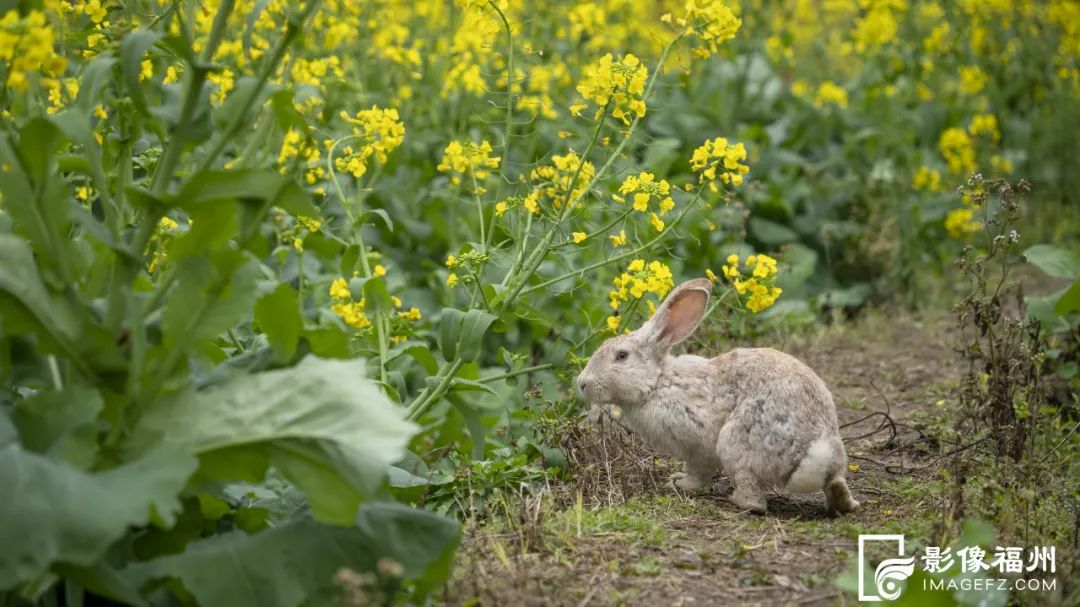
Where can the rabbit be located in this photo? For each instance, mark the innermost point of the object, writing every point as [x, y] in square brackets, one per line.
[762, 416]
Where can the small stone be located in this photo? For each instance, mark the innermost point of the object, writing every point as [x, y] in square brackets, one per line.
[689, 560]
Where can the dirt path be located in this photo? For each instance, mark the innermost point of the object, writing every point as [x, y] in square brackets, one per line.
[630, 540]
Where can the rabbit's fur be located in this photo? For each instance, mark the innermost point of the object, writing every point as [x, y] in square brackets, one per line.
[762, 416]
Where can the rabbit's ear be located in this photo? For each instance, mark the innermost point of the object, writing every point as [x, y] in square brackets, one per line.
[680, 313]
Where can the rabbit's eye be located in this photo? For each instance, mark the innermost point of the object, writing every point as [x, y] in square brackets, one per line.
[621, 355]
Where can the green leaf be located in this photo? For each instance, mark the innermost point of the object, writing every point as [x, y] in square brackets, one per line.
[1043, 309]
[1069, 301]
[132, 49]
[263, 185]
[278, 316]
[473, 327]
[473, 422]
[376, 297]
[19, 279]
[1055, 261]
[95, 77]
[326, 427]
[450, 332]
[211, 296]
[771, 233]
[61, 424]
[296, 563]
[63, 515]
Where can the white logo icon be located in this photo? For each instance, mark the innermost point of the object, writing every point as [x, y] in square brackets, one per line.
[889, 573]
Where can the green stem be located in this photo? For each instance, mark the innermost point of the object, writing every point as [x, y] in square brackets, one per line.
[515, 373]
[240, 119]
[381, 324]
[507, 128]
[667, 229]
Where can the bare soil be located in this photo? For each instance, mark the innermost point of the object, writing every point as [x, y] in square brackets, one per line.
[619, 536]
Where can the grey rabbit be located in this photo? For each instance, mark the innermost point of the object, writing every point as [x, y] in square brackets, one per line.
[762, 416]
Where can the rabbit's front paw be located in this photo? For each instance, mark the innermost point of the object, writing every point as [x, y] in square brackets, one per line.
[680, 481]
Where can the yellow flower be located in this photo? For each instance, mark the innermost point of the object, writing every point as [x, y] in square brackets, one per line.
[500, 208]
[577, 108]
[378, 271]
[959, 223]
[619, 240]
[657, 222]
[468, 158]
[311, 224]
[353, 314]
[452, 261]
[579, 236]
[957, 149]
[99, 112]
[713, 21]
[412, 314]
[718, 160]
[452, 280]
[972, 80]
[713, 278]
[618, 82]
[146, 69]
[984, 124]
[554, 180]
[339, 290]
[645, 188]
[927, 179]
[613, 323]
[830, 93]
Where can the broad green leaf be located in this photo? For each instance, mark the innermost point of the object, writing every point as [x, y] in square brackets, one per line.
[62, 515]
[278, 316]
[376, 297]
[19, 278]
[473, 422]
[771, 233]
[1069, 301]
[61, 424]
[450, 332]
[247, 184]
[1043, 310]
[473, 327]
[1055, 261]
[296, 563]
[211, 296]
[326, 427]
[95, 77]
[132, 49]
[328, 342]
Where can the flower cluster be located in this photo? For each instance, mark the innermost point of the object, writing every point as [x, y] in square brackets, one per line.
[985, 124]
[378, 131]
[351, 311]
[468, 158]
[554, 181]
[717, 159]
[639, 279]
[646, 188]
[927, 179]
[27, 49]
[713, 21]
[960, 222]
[298, 146]
[957, 149]
[618, 82]
[465, 266]
[829, 93]
[759, 284]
